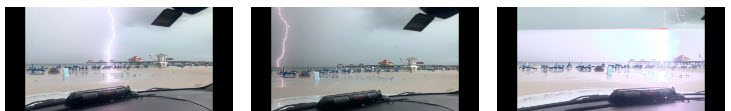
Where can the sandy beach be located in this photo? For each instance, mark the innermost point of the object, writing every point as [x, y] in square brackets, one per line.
[536, 82]
[136, 78]
[387, 82]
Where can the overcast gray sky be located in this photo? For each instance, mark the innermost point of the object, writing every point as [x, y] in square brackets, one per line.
[75, 35]
[330, 36]
[557, 34]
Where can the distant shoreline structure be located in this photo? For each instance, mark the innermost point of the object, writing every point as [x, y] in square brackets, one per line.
[148, 62]
[162, 61]
[634, 62]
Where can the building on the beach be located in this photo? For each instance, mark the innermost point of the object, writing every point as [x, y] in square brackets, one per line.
[385, 63]
[681, 58]
[161, 60]
[135, 59]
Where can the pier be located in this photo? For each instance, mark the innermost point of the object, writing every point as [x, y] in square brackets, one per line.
[148, 62]
[384, 66]
[411, 64]
[161, 61]
[667, 63]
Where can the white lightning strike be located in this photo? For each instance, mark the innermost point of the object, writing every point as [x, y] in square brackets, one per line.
[114, 34]
[286, 32]
[683, 15]
[677, 15]
[680, 16]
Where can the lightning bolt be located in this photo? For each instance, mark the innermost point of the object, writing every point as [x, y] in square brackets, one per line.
[114, 35]
[677, 14]
[286, 32]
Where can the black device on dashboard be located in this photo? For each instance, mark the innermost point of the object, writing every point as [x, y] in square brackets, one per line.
[642, 96]
[94, 96]
[349, 99]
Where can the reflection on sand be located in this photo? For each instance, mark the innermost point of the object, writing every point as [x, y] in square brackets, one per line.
[109, 76]
[282, 82]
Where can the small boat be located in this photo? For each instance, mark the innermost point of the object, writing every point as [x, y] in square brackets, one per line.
[527, 68]
[557, 68]
[637, 66]
[285, 73]
[33, 69]
[582, 68]
[545, 68]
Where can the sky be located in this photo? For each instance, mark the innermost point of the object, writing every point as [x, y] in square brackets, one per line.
[325, 37]
[61, 35]
[610, 34]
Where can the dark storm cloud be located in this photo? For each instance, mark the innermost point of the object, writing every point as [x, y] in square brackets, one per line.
[143, 16]
[609, 17]
[74, 35]
[331, 36]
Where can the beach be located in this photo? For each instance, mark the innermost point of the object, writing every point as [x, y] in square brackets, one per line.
[538, 82]
[386, 82]
[135, 78]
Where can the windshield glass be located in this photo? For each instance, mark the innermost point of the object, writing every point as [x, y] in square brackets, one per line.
[75, 49]
[325, 51]
[564, 53]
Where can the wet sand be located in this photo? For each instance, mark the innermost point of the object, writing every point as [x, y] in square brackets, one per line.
[136, 78]
[387, 82]
[537, 82]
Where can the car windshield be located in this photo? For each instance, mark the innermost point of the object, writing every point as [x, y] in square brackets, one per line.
[564, 53]
[76, 49]
[325, 51]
